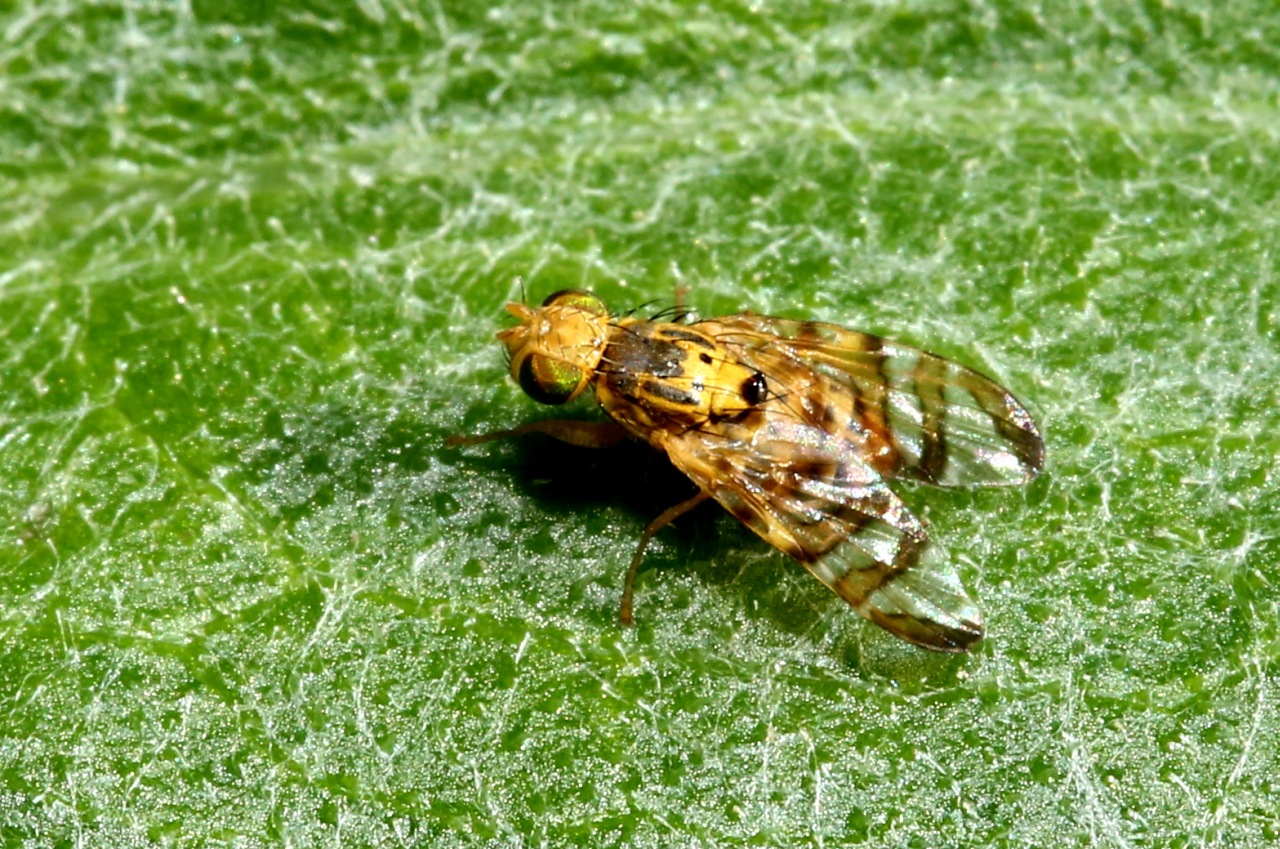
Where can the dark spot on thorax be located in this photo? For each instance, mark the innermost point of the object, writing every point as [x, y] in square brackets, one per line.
[754, 389]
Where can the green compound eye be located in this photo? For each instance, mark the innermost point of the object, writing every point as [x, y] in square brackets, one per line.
[579, 298]
[549, 381]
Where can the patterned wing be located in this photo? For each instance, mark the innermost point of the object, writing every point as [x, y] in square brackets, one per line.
[813, 495]
[916, 414]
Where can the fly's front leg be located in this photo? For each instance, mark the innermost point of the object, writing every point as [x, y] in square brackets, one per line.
[581, 434]
[595, 435]
[665, 518]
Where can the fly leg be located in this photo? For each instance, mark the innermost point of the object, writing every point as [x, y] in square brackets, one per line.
[667, 517]
[594, 435]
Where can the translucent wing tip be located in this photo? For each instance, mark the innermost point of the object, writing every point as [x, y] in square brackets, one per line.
[919, 599]
[954, 636]
[1022, 434]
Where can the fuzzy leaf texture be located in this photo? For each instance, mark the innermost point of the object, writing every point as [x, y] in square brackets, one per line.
[252, 258]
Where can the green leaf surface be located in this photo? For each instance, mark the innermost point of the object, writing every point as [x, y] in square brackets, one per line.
[252, 257]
